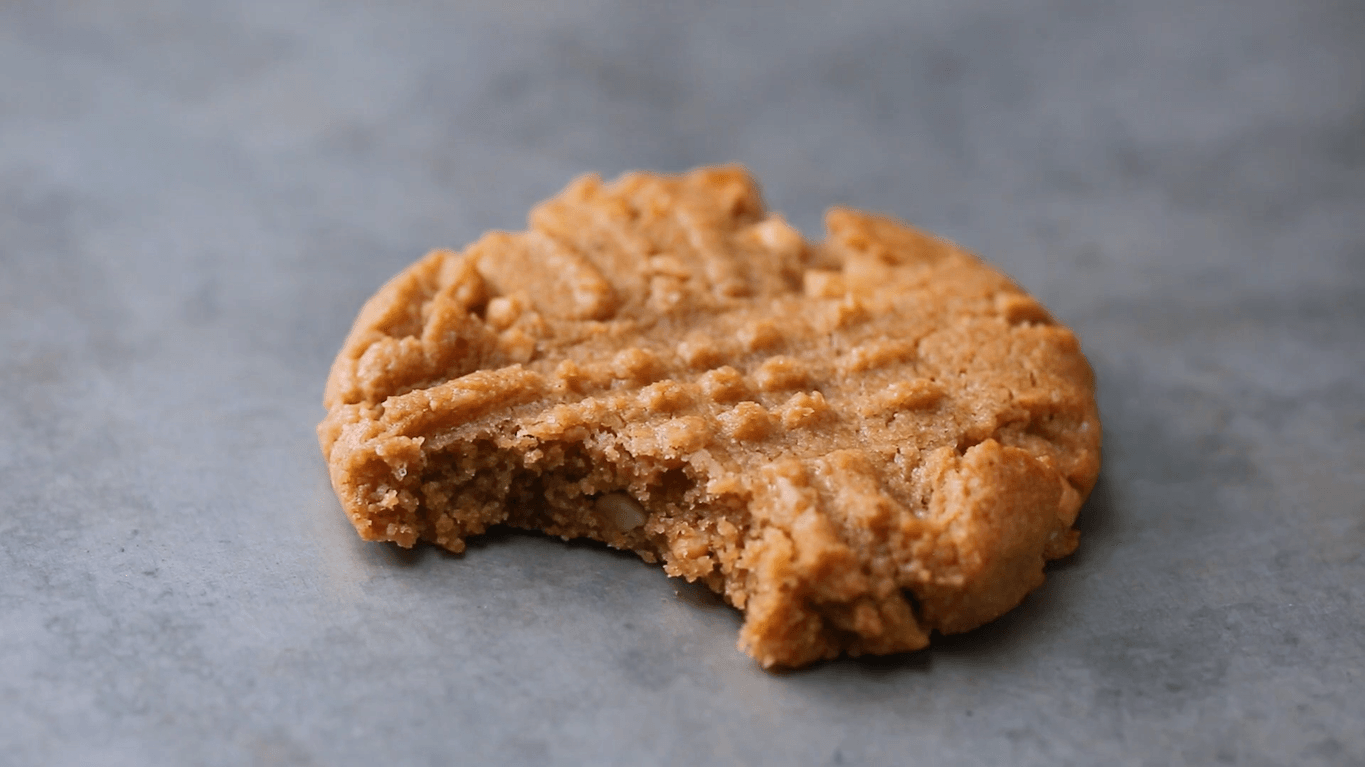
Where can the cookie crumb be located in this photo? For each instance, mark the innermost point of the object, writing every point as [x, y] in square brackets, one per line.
[781, 372]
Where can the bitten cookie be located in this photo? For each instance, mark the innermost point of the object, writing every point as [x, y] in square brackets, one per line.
[855, 442]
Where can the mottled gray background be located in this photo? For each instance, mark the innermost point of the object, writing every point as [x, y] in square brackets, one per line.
[195, 198]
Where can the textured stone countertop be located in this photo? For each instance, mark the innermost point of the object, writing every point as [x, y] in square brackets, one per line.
[196, 197]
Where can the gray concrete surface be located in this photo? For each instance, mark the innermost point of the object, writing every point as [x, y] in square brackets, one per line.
[196, 197]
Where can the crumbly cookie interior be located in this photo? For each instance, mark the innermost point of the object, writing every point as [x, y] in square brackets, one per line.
[595, 488]
[856, 442]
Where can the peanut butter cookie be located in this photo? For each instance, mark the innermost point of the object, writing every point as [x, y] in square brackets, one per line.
[855, 442]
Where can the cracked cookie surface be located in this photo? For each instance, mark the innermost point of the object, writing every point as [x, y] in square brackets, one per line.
[855, 442]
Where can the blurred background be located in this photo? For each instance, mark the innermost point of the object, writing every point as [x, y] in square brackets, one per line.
[195, 198]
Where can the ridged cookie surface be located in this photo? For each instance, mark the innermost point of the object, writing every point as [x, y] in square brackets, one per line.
[855, 442]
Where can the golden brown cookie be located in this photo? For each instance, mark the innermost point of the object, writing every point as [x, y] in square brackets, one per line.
[855, 442]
